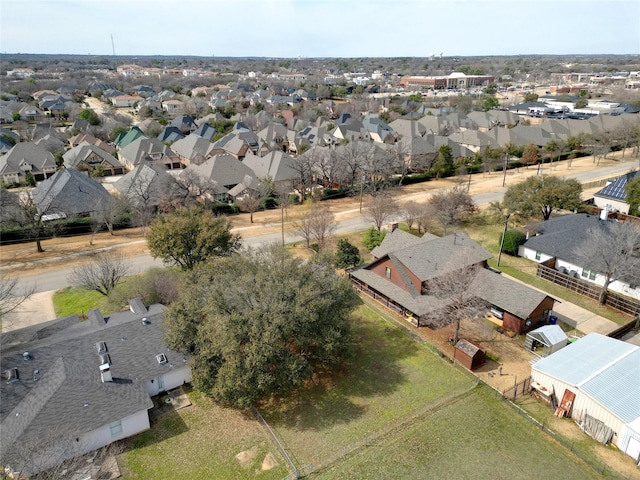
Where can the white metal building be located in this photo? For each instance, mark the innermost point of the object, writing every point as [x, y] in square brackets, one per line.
[604, 375]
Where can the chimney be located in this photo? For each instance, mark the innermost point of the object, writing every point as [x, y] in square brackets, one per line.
[105, 373]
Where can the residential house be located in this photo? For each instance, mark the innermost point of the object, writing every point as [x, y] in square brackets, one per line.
[125, 138]
[351, 132]
[613, 196]
[276, 165]
[87, 138]
[148, 150]
[87, 157]
[173, 107]
[554, 242]
[404, 269]
[30, 113]
[595, 381]
[26, 157]
[192, 149]
[275, 137]
[205, 131]
[239, 142]
[126, 101]
[408, 128]
[223, 169]
[184, 123]
[378, 130]
[71, 387]
[170, 134]
[70, 193]
[145, 185]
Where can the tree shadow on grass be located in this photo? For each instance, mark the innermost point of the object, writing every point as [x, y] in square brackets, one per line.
[375, 370]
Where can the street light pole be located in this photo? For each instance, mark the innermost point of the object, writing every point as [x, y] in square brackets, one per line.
[361, 191]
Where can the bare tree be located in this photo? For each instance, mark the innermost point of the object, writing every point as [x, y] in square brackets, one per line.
[454, 293]
[101, 273]
[12, 295]
[253, 198]
[380, 209]
[303, 166]
[451, 206]
[420, 214]
[612, 251]
[316, 224]
[187, 189]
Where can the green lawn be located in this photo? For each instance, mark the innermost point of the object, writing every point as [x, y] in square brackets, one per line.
[71, 301]
[391, 378]
[200, 442]
[476, 436]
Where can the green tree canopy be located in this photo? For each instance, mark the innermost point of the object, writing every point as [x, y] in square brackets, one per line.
[261, 323]
[90, 116]
[542, 195]
[632, 189]
[373, 237]
[190, 236]
[347, 255]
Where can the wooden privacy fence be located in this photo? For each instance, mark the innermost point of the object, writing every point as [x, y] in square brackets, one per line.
[624, 304]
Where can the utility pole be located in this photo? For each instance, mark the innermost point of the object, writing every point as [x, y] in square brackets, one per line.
[361, 191]
[504, 169]
[113, 46]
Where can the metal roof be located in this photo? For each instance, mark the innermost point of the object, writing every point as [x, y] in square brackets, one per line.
[551, 334]
[618, 387]
[579, 361]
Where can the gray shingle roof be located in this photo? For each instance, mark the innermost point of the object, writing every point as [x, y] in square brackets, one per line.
[397, 240]
[71, 192]
[68, 396]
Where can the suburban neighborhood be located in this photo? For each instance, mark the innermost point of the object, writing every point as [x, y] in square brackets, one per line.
[274, 268]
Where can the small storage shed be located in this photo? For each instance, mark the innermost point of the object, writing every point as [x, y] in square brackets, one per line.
[545, 340]
[469, 355]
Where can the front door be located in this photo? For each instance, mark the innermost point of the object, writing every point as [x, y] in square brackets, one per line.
[160, 384]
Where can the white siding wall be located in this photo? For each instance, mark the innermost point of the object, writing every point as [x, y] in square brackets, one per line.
[173, 377]
[551, 384]
[531, 254]
[136, 423]
[602, 202]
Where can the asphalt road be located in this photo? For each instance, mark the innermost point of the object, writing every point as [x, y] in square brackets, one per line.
[59, 279]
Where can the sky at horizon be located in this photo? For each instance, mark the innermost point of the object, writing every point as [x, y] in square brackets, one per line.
[320, 28]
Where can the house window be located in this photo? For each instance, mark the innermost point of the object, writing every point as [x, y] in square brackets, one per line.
[387, 272]
[538, 255]
[116, 428]
[591, 275]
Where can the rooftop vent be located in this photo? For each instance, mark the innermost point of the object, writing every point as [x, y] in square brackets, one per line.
[105, 359]
[145, 321]
[26, 356]
[101, 347]
[105, 373]
[12, 375]
[161, 358]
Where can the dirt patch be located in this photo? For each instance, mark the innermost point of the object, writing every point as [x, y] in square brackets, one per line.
[269, 462]
[246, 457]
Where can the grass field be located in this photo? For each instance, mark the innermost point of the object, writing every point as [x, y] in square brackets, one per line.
[71, 301]
[391, 378]
[476, 436]
[200, 442]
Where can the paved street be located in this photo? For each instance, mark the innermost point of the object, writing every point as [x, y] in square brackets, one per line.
[483, 188]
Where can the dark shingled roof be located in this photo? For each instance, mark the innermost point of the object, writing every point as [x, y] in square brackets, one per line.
[67, 396]
[467, 347]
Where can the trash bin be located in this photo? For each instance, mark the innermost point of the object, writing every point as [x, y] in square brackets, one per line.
[554, 320]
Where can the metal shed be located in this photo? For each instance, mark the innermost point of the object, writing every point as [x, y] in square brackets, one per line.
[545, 340]
[469, 355]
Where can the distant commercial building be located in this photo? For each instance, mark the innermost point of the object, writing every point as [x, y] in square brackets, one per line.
[456, 80]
